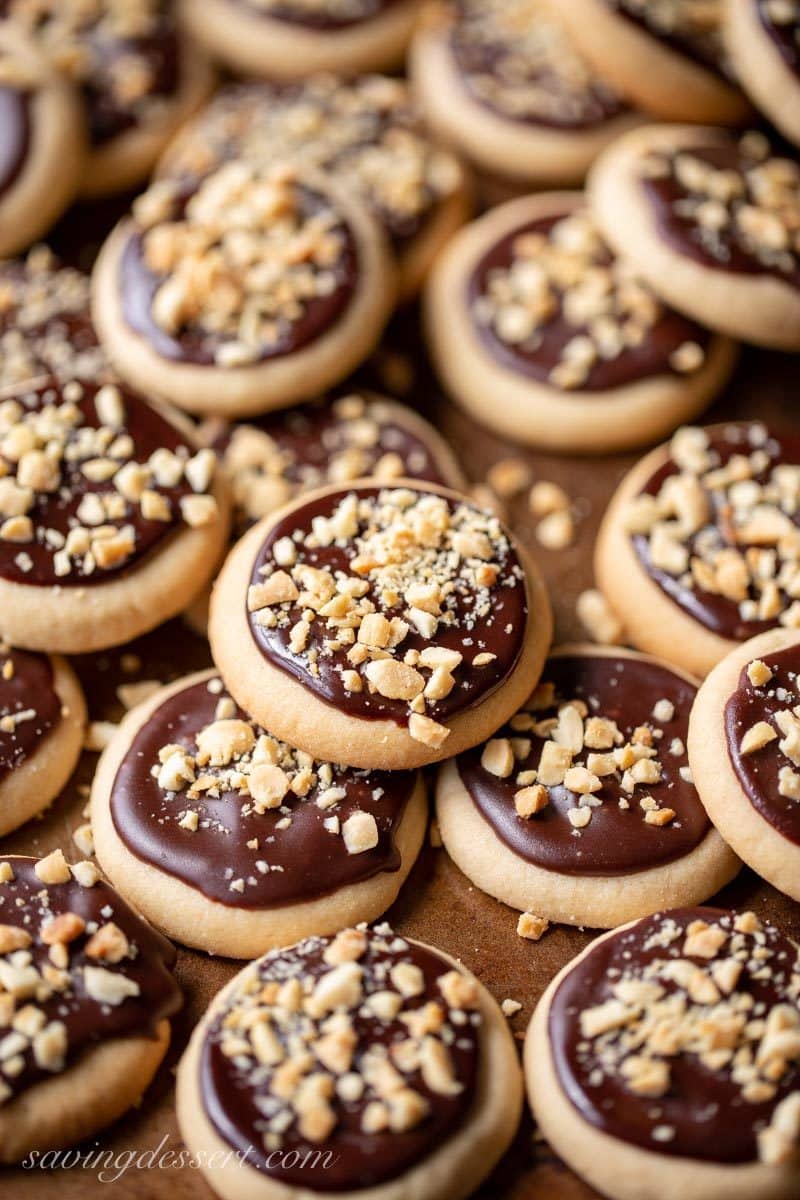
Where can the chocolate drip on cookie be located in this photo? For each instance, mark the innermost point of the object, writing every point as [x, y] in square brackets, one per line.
[30, 707]
[320, 14]
[591, 777]
[364, 1046]
[782, 22]
[681, 1035]
[78, 968]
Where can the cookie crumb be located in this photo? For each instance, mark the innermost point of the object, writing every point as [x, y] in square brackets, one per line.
[532, 927]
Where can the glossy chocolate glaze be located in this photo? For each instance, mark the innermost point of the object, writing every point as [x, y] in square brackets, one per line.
[324, 19]
[786, 36]
[758, 773]
[359, 1160]
[15, 122]
[89, 1023]
[649, 359]
[616, 841]
[501, 633]
[30, 687]
[712, 1121]
[305, 861]
[704, 47]
[715, 612]
[149, 431]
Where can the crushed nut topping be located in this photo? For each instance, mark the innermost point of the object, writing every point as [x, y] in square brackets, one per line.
[695, 24]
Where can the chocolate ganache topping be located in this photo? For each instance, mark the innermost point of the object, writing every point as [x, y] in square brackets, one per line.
[394, 603]
[320, 14]
[681, 1035]
[94, 479]
[550, 301]
[518, 62]
[207, 796]
[591, 777]
[78, 968]
[691, 27]
[782, 23]
[762, 727]
[364, 1048]
[717, 527]
[247, 264]
[30, 707]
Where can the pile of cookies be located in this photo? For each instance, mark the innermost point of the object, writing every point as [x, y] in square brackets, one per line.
[193, 432]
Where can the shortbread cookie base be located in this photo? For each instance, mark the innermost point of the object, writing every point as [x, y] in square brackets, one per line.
[452, 1172]
[765, 75]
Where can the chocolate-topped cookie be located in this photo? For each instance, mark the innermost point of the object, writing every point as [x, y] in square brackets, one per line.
[137, 75]
[366, 131]
[291, 39]
[365, 1064]
[42, 719]
[698, 548]
[244, 291]
[85, 1004]
[763, 40]
[42, 142]
[668, 56]
[710, 221]
[665, 1059]
[501, 82]
[232, 841]
[542, 333]
[582, 808]
[110, 518]
[744, 749]
[381, 627]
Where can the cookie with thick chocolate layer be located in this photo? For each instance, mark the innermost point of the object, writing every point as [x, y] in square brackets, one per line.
[380, 626]
[698, 551]
[542, 333]
[744, 751]
[763, 41]
[582, 808]
[709, 220]
[244, 291]
[88, 992]
[233, 842]
[364, 1065]
[664, 1061]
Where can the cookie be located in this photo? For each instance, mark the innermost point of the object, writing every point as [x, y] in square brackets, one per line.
[290, 39]
[500, 82]
[696, 550]
[667, 57]
[366, 131]
[710, 222]
[744, 748]
[137, 75]
[233, 842]
[42, 719]
[582, 807]
[111, 519]
[543, 335]
[43, 145]
[248, 290]
[84, 1012]
[368, 1064]
[646, 1073]
[764, 46]
[383, 627]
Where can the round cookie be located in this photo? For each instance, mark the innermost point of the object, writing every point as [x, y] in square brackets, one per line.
[84, 1013]
[540, 333]
[743, 750]
[764, 46]
[366, 131]
[502, 84]
[244, 291]
[290, 39]
[111, 519]
[581, 808]
[710, 222]
[696, 551]
[383, 627]
[139, 77]
[43, 146]
[384, 1070]
[42, 719]
[231, 841]
[667, 57]
[648, 1077]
